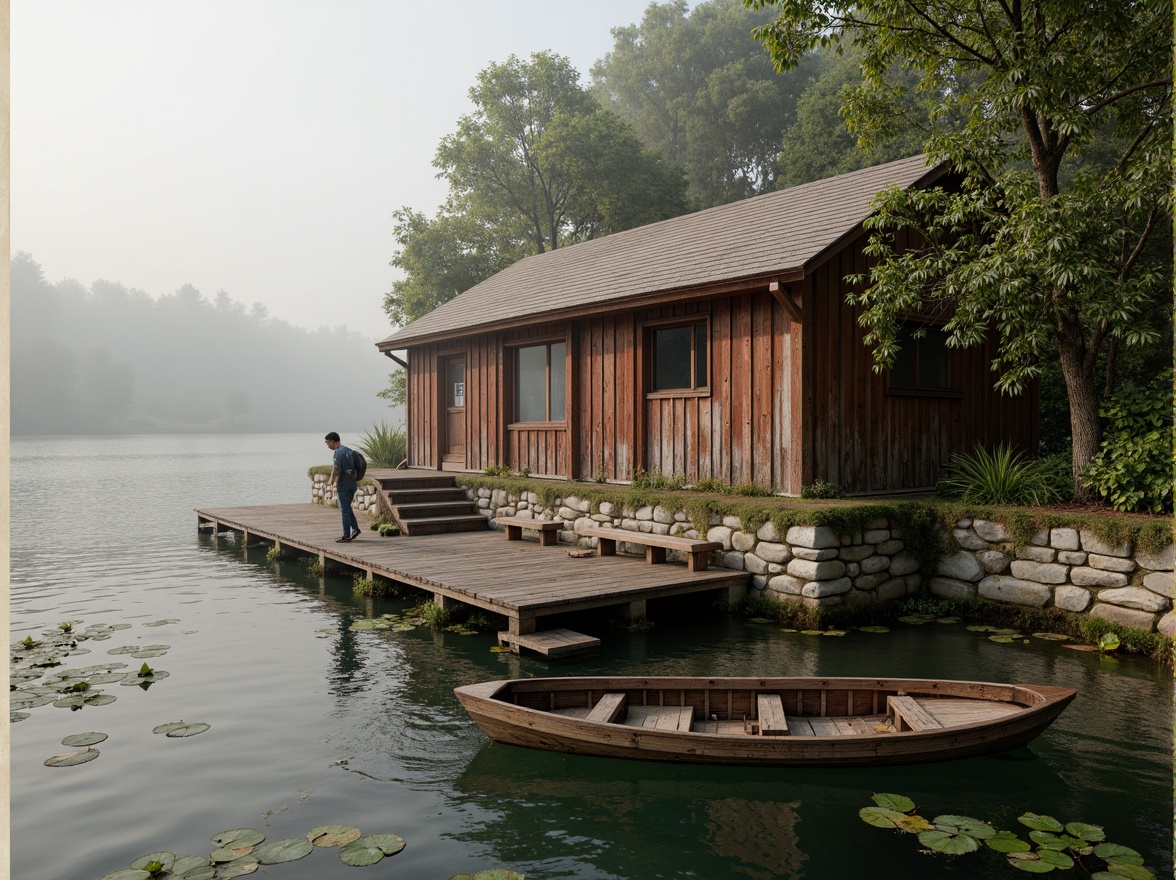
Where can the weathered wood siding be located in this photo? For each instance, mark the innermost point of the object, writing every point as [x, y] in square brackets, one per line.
[606, 410]
[866, 440]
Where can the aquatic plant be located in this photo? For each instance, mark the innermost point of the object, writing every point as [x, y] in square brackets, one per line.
[1052, 845]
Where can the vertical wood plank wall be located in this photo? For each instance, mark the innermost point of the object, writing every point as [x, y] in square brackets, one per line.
[868, 441]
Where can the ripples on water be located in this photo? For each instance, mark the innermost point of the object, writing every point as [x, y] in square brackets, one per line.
[315, 724]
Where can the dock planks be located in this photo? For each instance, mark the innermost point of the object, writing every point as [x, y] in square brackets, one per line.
[518, 579]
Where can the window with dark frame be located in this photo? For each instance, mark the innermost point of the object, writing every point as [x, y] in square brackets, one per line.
[922, 364]
[540, 387]
[678, 358]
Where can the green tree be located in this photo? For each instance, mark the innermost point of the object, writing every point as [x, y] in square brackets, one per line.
[1063, 147]
[107, 388]
[699, 91]
[537, 165]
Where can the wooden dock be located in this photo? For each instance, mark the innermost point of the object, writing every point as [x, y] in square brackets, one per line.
[518, 579]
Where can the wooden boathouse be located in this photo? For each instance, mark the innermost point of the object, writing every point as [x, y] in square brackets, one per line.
[715, 345]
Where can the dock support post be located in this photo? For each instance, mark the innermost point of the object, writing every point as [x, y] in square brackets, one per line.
[522, 626]
[735, 593]
[633, 611]
[443, 602]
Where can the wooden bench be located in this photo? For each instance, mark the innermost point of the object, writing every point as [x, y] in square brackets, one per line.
[655, 545]
[548, 529]
[660, 717]
[770, 709]
[607, 709]
[909, 715]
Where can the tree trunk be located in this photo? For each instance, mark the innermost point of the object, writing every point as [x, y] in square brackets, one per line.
[1085, 427]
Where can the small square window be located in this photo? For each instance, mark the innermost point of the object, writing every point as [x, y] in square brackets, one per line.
[923, 361]
[540, 386]
[679, 358]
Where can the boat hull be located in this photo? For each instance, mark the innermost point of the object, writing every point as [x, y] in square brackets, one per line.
[496, 708]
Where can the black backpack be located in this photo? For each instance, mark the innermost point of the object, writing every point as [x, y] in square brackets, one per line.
[359, 464]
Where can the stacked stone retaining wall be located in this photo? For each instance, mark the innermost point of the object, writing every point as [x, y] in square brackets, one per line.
[365, 497]
[1063, 568]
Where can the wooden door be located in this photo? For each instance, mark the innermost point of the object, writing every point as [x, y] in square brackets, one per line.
[455, 417]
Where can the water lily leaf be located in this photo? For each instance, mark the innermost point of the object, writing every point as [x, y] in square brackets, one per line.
[499, 649]
[1007, 842]
[898, 802]
[1029, 862]
[916, 619]
[333, 835]
[144, 653]
[389, 844]
[19, 700]
[1131, 872]
[14, 717]
[1045, 840]
[291, 849]
[964, 825]
[239, 868]
[190, 729]
[833, 632]
[186, 864]
[874, 629]
[948, 843]
[1003, 640]
[1113, 852]
[131, 679]
[76, 701]
[360, 854]
[1055, 858]
[161, 622]
[238, 836]
[1041, 823]
[125, 649]
[164, 859]
[84, 739]
[1053, 637]
[811, 632]
[1088, 833]
[105, 677]
[230, 853]
[70, 759]
[880, 817]
[1089, 648]
[363, 624]
[498, 874]
[915, 824]
[127, 874]
[201, 872]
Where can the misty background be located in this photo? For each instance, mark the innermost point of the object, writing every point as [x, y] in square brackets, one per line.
[106, 358]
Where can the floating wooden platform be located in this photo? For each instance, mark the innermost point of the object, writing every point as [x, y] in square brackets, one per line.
[518, 579]
[551, 642]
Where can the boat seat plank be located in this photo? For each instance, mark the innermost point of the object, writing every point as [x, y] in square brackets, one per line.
[607, 708]
[800, 726]
[770, 709]
[824, 727]
[660, 717]
[862, 727]
[909, 715]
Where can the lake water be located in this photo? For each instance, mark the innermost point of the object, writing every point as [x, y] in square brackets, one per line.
[313, 723]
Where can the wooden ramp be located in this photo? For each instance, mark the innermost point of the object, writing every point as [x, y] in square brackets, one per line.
[518, 579]
[551, 642]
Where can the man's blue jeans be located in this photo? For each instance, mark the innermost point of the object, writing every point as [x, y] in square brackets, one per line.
[346, 494]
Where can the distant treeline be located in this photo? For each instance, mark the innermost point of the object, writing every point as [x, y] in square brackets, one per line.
[112, 359]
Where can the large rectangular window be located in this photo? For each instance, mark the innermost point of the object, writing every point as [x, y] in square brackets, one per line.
[922, 364]
[540, 386]
[678, 358]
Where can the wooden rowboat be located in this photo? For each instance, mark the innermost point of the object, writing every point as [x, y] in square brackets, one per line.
[764, 721]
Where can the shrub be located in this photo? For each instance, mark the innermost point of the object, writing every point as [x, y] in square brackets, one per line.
[821, 489]
[1133, 469]
[1002, 476]
[384, 446]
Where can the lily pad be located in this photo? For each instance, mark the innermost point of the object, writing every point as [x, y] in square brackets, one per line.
[964, 825]
[948, 843]
[833, 632]
[84, 739]
[1029, 862]
[1052, 637]
[1007, 842]
[127, 874]
[812, 632]
[1056, 858]
[981, 628]
[1088, 833]
[874, 629]
[498, 874]
[390, 844]
[1087, 648]
[125, 649]
[333, 835]
[291, 849]
[14, 717]
[105, 677]
[881, 817]
[76, 701]
[238, 837]
[360, 854]
[239, 868]
[161, 622]
[145, 653]
[70, 759]
[147, 863]
[1131, 872]
[901, 803]
[200, 872]
[363, 624]
[1002, 640]
[230, 853]
[178, 729]
[1041, 823]
[500, 649]
[1121, 855]
[130, 679]
[18, 700]
[187, 864]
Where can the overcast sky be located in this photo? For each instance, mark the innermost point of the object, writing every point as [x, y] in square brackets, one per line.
[255, 146]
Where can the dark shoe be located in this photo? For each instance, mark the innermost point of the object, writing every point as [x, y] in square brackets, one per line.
[342, 540]
[355, 535]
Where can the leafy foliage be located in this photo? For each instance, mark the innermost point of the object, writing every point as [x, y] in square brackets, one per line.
[1133, 469]
[1003, 476]
[383, 445]
[821, 489]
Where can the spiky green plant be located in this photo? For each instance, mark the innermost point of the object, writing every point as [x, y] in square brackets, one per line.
[384, 446]
[1003, 476]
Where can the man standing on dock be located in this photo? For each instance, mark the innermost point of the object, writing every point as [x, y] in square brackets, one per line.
[345, 484]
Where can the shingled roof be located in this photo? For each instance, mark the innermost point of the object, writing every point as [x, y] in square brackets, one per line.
[773, 234]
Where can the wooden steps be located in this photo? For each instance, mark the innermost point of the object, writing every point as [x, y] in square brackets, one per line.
[550, 643]
[428, 504]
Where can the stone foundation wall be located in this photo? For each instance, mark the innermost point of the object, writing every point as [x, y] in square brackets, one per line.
[1063, 568]
[1069, 569]
[364, 501]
